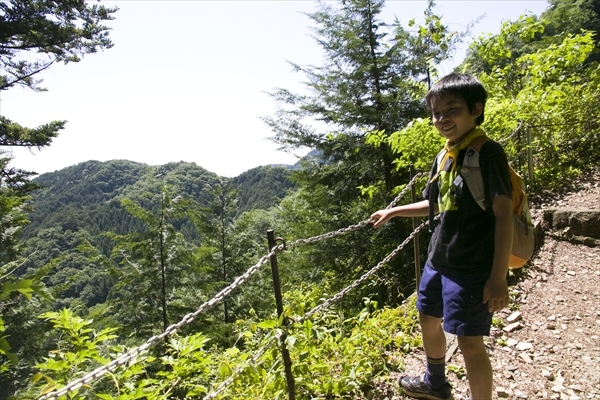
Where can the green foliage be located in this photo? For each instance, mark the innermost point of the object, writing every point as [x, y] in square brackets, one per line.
[498, 323]
[15, 190]
[567, 17]
[488, 53]
[10, 286]
[262, 187]
[62, 31]
[156, 261]
[530, 33]
[77, 350]
[332, 357]
[368, 82]
[458, 370]
[554, 93]
[415, 145]
[13, 134]
[87, 196]
[80, 349]
[432, 44]
[217, 227]
[12, 289]
[351, 349]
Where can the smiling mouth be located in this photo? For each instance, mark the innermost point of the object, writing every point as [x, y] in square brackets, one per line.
[447, 128]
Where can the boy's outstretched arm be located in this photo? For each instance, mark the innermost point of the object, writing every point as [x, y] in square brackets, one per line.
[419, 209]
[495, 291]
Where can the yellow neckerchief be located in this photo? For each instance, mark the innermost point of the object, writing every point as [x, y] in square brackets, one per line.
[452, 150]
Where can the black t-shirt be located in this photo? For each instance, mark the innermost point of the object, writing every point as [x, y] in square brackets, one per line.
[464, 238]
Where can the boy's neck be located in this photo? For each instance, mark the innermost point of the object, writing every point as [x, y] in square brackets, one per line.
[463, 137]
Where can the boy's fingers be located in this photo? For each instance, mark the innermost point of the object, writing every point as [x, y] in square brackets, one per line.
[497, 304]
[376, 220]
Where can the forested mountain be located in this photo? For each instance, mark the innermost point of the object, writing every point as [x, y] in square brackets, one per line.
[262, 187]
[88, 195]
[91, 202]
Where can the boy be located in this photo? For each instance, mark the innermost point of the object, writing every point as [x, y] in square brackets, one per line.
[464, 278]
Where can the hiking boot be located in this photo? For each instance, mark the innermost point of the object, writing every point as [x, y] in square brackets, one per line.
[415, 386]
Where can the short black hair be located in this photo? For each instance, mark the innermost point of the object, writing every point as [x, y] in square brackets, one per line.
[464, 86]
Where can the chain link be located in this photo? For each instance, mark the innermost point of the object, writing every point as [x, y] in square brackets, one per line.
[406, 188]
[504, 141]
[360, 280]
[131, 354]
[330, 235]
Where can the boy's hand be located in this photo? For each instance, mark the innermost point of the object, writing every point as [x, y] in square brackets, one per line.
[495, 294]
[380, 217]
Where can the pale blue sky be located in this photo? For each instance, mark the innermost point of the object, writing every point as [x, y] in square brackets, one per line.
[185, 81]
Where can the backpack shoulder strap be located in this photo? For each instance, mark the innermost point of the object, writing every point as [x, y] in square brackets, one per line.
[477, 143]
[434, 188]
[471, 171]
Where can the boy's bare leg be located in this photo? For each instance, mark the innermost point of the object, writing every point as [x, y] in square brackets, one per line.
[479, 368]
[434, 339]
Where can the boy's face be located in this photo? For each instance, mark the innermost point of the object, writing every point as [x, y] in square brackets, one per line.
[452, 118]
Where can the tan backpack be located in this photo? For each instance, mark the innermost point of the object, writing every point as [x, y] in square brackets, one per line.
[523, 232]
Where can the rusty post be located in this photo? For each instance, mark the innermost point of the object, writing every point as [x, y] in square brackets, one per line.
[285, 353]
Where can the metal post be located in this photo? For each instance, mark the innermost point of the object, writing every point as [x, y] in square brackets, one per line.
[287, 361]
[415, 224]
[529, 156]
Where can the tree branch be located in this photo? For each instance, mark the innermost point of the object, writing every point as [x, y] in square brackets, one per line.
[22, 78]
[16, 267]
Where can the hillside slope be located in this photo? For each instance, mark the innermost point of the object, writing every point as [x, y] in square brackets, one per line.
[88, 195]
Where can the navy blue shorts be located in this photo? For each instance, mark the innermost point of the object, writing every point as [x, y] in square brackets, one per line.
[457, 299]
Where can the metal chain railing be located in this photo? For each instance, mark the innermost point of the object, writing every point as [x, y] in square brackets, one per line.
[406, 189]
[505, 140]
[355, 227]
[360, 280]
[131, 354]
[315, 310]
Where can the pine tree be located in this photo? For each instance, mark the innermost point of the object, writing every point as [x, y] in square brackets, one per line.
[156, 263]
[371, 80]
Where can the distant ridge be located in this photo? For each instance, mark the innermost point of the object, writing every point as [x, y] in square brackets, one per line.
[88, 195]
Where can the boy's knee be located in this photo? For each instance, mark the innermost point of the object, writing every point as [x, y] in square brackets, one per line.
[428, 322]
[471, 345]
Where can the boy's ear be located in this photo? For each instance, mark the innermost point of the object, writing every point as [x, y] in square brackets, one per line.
[477, 109]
